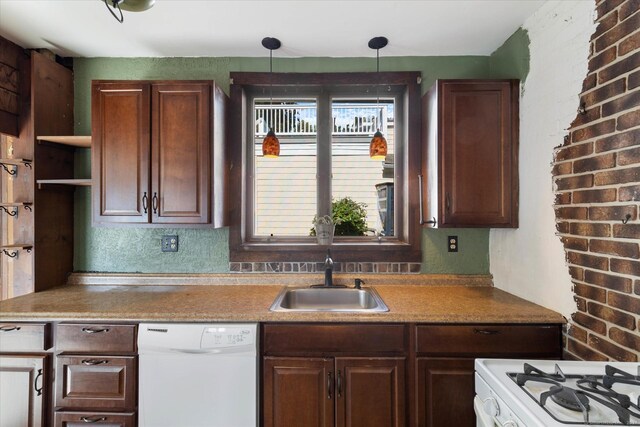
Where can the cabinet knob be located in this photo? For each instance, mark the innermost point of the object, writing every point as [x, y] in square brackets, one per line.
[9, 328]
[145, 202]
[154, 203]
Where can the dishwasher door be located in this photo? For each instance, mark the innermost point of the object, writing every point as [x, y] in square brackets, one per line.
[198, 375]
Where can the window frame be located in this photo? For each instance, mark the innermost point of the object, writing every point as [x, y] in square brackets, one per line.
[403, 247]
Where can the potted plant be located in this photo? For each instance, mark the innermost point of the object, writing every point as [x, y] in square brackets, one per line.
[348, 218]
[323, 228]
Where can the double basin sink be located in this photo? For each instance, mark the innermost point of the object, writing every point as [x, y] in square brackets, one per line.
[329, 299]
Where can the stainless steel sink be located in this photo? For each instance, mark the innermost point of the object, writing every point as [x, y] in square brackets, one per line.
[365, 300]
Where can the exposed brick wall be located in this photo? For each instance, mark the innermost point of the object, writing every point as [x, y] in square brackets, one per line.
[597, 183]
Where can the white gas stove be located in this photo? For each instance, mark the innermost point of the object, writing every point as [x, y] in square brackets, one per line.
[548, 393]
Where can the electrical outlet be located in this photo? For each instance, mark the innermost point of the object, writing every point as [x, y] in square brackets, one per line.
[169, 243]
[452, 243]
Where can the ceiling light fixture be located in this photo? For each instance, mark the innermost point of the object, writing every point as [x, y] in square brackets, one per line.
[128, 5]
[378, 144]
[270, 143]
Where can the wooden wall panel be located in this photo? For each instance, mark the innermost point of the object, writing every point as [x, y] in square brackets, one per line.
[12, 57]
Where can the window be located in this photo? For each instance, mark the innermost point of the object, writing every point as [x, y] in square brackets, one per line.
[324, 123]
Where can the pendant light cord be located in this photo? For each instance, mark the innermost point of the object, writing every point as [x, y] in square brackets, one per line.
[378, 89]
[271, 82]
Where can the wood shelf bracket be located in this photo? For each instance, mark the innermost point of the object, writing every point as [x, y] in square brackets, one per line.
[13, 251]
[11, 165]
[13, 212]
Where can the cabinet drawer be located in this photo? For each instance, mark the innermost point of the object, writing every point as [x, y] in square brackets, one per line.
[102, 338]
[96, 382]
[25, 337]
[78, 419]
[489, 340]
[353, 338]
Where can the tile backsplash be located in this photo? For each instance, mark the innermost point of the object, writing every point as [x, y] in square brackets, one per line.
[318, 267]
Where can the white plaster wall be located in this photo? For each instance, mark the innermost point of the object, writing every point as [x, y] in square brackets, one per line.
[530, 261]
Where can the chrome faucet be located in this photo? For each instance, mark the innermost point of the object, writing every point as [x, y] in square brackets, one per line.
[328, 270]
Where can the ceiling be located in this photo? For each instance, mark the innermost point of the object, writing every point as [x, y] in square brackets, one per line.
[307, 28]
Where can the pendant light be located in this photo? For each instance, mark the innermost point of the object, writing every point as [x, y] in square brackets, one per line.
[270, 143]
[128, 5]
[378, 144]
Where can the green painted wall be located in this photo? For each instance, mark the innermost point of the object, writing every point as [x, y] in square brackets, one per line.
[511, 60]
[206, 251]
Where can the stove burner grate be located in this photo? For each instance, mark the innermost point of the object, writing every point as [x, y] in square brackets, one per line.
[590, 389]
[568, 398]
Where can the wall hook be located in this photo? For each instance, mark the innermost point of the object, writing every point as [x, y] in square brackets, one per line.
[12, 254]
[626, 219]
[583, 108]
[28, 207]
[13, 171]
[13, 212]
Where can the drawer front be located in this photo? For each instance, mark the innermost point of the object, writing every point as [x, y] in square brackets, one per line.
[352, 338]
[81, 419]
[489, 340]
[96, 382]
[101, 338]
[25, 337]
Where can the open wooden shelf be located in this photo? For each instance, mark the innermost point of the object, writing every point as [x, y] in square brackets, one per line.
[78, 182]
[74, 141]
[16, 204]
[15, 161]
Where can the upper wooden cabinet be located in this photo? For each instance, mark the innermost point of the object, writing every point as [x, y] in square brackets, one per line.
[158, 152]
[471, 163]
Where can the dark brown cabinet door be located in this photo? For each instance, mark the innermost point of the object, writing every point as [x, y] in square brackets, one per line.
[23, 382]
[96, 382]
[445, 392]
[370, 392]
[104, 419]
[120, 152]
[180, 150]
[298, 392]
[477, 153]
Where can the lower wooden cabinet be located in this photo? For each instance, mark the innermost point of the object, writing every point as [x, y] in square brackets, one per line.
[340, 391]
[24, 390]
[444, 365]
[370, 391]
[445, 392]
[298, 391]
[96, 382]
[78, 419]
[96, 375]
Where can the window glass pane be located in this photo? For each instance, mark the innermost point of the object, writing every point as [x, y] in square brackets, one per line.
[367, 182]
[285, 187]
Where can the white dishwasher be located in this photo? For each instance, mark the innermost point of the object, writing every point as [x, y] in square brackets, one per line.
[198, 375]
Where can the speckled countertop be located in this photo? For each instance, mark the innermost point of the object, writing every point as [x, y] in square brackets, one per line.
[250, 303]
